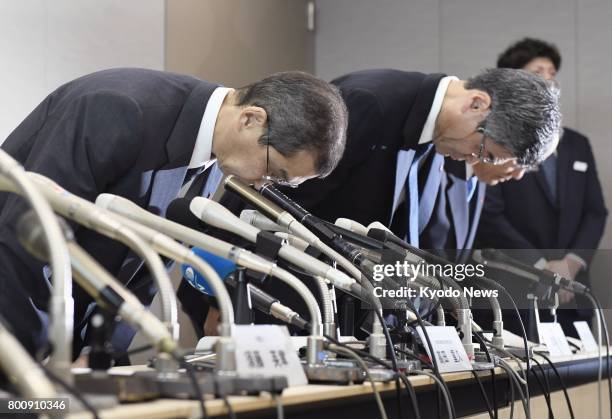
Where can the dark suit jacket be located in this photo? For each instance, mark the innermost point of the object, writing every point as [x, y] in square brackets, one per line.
[129, 132]
[455, 220]
[521, 214]
[387, 111]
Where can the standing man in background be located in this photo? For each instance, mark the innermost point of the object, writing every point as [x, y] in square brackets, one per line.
[557, 211]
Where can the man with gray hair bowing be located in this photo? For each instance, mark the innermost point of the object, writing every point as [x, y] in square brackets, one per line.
[402, 125]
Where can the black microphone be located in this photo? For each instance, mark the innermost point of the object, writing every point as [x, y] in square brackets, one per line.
[318, 226]
[549, 278]
[179, 212]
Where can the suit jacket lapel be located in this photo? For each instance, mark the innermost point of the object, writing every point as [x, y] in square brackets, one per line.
[420, 110]
[167, 180]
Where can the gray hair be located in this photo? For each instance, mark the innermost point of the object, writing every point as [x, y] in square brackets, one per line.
[525, 116]
[304, 113]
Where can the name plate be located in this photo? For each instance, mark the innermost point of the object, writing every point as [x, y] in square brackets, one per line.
[586, 337]
[267, 351]
[555, 340]
[448, 349]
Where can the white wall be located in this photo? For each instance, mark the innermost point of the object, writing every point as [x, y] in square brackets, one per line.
[45, 43]
[462, 37]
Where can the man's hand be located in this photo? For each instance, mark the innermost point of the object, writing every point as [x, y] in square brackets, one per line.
[211, 325]
[567, 268]
[565, 296]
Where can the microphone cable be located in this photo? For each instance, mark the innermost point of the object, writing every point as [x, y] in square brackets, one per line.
[402, 376]
[484, 394]
[447, 398]
[567, 398]
[484, 347]
[349, 352]
[607, 338]
[230, 410]
[545, 388]
[195, 384]
[512, 376]
[70, 389]
[280, 411]
[508, 296]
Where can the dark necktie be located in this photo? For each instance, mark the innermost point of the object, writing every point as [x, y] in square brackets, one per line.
[412, 194]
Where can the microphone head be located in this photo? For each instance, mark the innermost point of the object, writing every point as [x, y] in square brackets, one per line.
[105, 200]
[378, 225]
[477, 256]
[351, 225]
[216, 215]
[260, 221]
[202, 207]
[223, 267]
[32, 237]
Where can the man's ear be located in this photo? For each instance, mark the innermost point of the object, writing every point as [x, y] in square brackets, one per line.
[253, 117]
[477, 101]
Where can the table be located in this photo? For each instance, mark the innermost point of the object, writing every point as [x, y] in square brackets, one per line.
[579, 373]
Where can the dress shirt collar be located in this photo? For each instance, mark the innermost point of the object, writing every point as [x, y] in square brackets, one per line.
[202, 152]
[436, 106]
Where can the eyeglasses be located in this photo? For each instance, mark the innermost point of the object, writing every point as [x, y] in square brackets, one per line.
[273, 179]
[481, 157]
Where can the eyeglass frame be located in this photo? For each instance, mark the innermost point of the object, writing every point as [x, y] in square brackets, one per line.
[480, 157]
[275, 180]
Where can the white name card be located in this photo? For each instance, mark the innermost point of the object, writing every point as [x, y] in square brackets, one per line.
[586, 336]
[267, 351]
[448, 349]
[555, 339]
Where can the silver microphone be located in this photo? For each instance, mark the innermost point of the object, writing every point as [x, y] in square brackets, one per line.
[61, 305]
[260, 221]
[87, 214]
[220, 248]
[26, 374]
[217, 215]
[98, 283]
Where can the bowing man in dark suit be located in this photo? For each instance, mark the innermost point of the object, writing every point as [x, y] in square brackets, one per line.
[142, 135]
[560, 206]
[401, 124]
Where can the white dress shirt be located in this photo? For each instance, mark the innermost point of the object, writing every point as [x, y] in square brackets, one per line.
[202, 151]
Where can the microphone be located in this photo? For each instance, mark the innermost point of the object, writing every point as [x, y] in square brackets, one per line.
[328, 236]
[217, 215]
[223, 267]
[98, 283]
[131, 211]
[14, 178]
[260, 221]
[92, 217]
[288, 221]
[17, 364]
[499, 259]
[352, 226]
[261, 300]
[379, 231]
